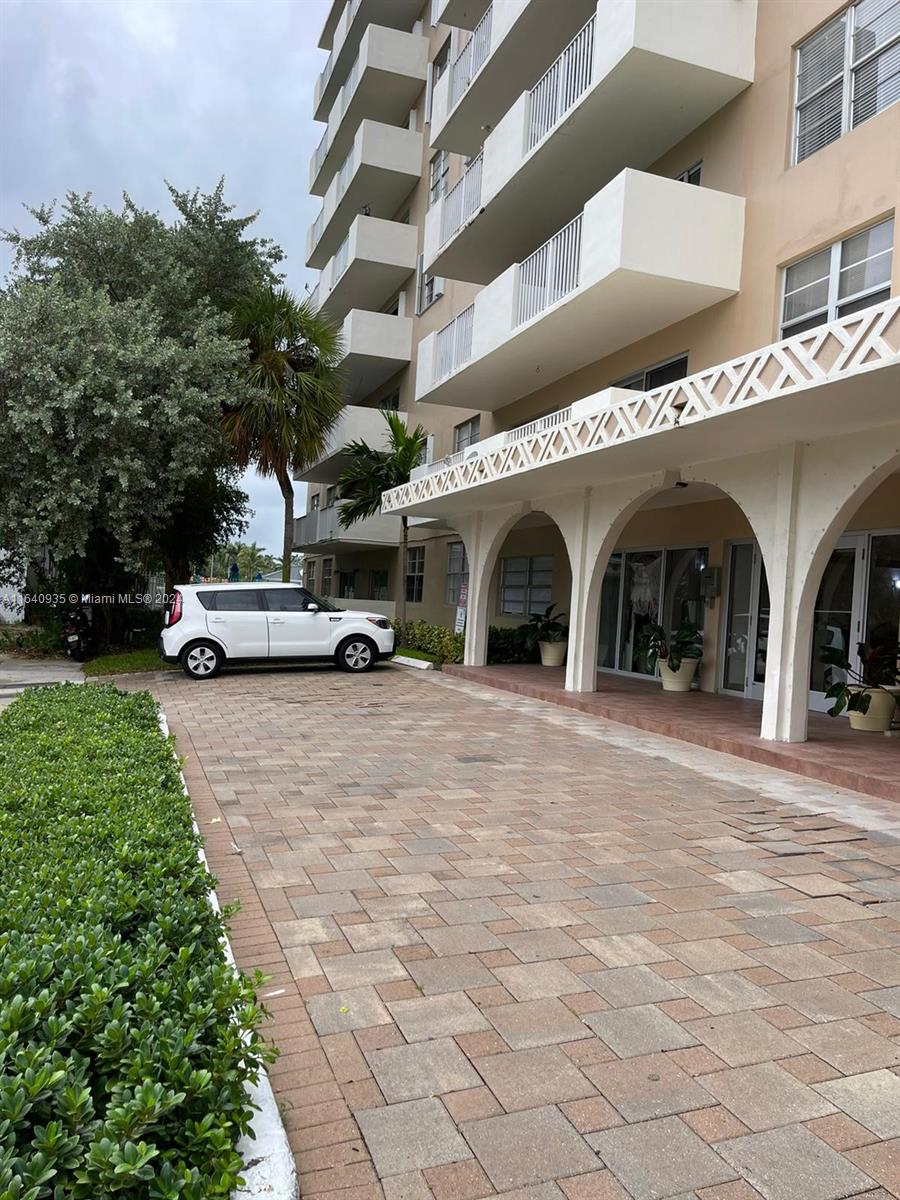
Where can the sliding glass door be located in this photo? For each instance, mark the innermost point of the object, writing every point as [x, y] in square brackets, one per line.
[745, 633]
[647, 587]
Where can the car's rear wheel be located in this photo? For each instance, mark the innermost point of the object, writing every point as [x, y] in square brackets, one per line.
[202, 660]
[356, 654]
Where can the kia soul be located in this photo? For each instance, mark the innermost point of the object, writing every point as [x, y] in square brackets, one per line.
[206, 626]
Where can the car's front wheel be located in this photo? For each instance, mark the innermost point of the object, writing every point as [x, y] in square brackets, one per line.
[202, 660]
[356, 654]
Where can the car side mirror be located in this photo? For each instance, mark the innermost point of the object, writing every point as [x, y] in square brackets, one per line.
[313, 608]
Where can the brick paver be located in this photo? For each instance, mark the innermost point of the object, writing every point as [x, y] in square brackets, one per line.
[516, 950]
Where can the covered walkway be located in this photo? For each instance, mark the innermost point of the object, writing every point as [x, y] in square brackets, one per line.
[833, 752]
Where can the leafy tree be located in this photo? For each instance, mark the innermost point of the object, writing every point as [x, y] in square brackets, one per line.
[117, 359]
[371, 472]
[294, 393]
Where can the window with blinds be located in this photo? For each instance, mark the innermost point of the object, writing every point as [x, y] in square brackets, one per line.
[839, 280]
[848, 71]
[457, 571]
[526, 585]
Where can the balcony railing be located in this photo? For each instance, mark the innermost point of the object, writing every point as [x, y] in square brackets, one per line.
[318, 226]
[321, 153]
[463, 200]
[341, 258]
[345, 174]
[470, 59]
[346, 20]
[549, 422]
[549, 274]
[349, 86]
[453, 345]
[558, 89]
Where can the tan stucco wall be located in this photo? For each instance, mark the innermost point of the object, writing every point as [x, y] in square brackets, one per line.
[792, 211]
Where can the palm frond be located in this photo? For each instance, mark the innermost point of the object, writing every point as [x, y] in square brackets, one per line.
[371, 471]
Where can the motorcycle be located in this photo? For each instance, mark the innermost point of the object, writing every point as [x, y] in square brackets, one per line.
[76, 634]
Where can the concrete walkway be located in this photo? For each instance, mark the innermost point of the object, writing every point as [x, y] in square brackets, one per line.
[516, 950]
[16, 674]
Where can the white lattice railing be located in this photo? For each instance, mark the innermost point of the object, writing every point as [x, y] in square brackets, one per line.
[463, 200]
[470, 59]
[558, 89]
[862, 343]
[550, 273]
[453, 344]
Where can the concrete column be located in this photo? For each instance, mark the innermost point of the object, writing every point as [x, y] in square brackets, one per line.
[483, 534]
[785, 699]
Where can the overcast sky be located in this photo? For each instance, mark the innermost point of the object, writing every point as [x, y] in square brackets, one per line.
[109, 96]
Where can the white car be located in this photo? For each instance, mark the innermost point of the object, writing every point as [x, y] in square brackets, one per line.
[209, 625]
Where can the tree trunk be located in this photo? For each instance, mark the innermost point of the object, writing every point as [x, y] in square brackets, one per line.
[401, 586]
[287, 548]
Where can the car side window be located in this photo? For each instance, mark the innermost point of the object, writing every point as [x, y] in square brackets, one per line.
[286, 600]
[237, 600]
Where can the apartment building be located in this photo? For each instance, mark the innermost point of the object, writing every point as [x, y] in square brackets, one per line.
[642, 291]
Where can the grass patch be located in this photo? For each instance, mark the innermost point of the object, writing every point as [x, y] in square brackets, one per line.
[128, 661]
[408, 652]
[127, 1040]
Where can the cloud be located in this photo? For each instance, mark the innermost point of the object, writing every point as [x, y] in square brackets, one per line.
[113, 96]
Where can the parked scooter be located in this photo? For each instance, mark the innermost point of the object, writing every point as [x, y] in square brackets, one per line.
[77, 638]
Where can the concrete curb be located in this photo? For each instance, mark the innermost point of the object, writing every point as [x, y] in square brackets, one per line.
[419, 663]
[269, 1169]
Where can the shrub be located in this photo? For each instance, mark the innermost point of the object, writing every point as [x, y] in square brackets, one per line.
[126, 1040]
[511, 646]
[36, 641]
[441, 643]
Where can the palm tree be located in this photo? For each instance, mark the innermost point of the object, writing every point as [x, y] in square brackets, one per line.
[371, 472]
[295, 392]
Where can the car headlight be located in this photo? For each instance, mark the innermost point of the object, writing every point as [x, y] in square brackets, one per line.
[381, 622]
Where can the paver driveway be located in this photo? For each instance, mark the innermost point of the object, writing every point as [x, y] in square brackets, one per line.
[516, 950]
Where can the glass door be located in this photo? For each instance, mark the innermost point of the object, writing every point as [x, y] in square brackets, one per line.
[838, 615]
[745, 633]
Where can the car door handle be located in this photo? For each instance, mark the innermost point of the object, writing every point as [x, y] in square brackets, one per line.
[276, 620]
[217, 620]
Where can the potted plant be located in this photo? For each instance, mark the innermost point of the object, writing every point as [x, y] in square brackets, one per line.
[548, 633]
[870, 694]
[677, 654]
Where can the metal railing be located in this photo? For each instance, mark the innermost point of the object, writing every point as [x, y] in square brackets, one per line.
[321, 153]
[346, 18]
[550, 421]
[463, 200]
[558, 89]
[340, 260]
[470, 59]
[345, 174]
[550, 273]
[349, 86]
[315, 232]
[453, 345]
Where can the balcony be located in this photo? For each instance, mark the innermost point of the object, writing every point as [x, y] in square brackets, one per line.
[645, 252]
[382, 166]
[354, 424]
[511, 46]
[320, 531]
[383, 84]
[342, 35]
[633, 82]
[370, 265]
[464, 14]
[836, 378]
[376, 347]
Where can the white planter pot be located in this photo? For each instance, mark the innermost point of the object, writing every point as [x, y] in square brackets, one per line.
[882, 708]
[680, 680]
[553, 654]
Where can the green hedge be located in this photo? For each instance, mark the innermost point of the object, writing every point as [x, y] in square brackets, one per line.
[125, 1039]
[442, 644]
[445, 646]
